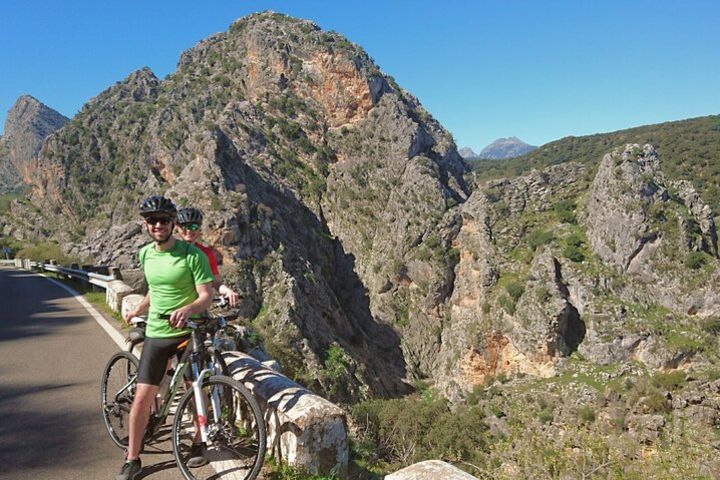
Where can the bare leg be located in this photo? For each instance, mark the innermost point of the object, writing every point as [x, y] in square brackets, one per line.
[139, 414]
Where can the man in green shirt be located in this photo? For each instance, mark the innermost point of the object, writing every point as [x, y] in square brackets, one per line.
[180, 287]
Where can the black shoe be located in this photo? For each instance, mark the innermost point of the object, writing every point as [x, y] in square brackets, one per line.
[197, 456]
[129, 470]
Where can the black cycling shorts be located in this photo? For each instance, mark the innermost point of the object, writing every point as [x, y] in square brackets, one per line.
[155, 355]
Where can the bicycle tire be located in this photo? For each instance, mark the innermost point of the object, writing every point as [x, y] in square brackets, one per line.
[238, 441]
[119, 371]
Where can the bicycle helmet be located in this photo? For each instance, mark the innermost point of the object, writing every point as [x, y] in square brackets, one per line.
[157, 204]
[189, 215]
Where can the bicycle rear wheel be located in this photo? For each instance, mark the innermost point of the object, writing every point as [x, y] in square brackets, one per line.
[117, 391]
[236, 432]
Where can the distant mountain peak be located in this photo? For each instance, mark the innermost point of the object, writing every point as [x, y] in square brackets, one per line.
[509, 147]
[467, 153]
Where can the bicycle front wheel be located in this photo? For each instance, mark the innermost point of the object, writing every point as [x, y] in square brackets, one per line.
[236, 432]
[117, 392]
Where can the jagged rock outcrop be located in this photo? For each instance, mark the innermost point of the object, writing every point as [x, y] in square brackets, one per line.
[27, 125]
[648, 226]
[621, 194]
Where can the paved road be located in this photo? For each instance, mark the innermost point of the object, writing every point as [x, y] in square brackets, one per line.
[52, 353]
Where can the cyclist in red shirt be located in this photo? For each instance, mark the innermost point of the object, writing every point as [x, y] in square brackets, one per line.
[189, 223]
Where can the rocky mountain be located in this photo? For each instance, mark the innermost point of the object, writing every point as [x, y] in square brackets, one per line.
[28, 123]
[372, 262]
[326, 187]
[467, 153]
[505, 148]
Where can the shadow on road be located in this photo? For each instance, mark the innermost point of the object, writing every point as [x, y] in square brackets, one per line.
[40, 315]
[32, 436]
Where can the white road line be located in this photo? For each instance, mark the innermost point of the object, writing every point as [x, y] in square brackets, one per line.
[109, 329]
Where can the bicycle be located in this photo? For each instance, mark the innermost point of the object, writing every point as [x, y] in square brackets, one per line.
[231, 425]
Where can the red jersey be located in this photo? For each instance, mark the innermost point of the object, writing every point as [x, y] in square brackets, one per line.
[211, 258]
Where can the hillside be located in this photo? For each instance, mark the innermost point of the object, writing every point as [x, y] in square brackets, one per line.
[500, 308]
[690, 150]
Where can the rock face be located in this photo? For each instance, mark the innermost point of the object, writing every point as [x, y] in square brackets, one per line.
[27, 125]
[505, 148]
[323, 182]
[367, 254]
[623, 191]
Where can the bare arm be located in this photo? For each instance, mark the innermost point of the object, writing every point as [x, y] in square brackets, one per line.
[227, 292]
[139, 310]
[180, 316]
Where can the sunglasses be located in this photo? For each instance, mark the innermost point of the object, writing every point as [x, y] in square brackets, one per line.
[193, 227]
[160, 220]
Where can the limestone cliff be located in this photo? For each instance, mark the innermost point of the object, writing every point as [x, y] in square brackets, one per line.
[27, 125]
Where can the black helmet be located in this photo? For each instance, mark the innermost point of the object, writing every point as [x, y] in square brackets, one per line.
[157, 204]
[189, 215]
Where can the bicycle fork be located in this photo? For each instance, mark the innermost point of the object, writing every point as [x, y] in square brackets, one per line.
[201, 401]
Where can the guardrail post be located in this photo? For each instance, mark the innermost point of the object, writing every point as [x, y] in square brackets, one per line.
[115, 292]
[115, 273]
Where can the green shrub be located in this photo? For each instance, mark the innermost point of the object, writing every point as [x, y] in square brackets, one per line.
[47, 251]
[656, 402]
[507, 304]
[695, 260]
[281, 471]
[536, 238]
[574, 253]
[565, 211]
[546, 416]
[668, 381]
[710, 325]
[586, 414]
[515, 290]
[336, 365]
[407, 430]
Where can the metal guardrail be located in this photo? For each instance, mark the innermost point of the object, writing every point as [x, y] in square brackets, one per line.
[93, 278]
[89, 277]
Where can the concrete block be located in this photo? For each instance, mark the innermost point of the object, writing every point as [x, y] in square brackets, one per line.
[304, 430]
[115, 292]
[129, 302]
[430, 470]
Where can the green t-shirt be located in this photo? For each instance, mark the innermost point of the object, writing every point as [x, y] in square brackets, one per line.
[171, 277]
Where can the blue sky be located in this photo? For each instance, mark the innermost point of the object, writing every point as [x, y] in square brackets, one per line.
[539, 70]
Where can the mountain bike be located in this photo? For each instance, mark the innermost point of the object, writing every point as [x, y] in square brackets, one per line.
[228, 417]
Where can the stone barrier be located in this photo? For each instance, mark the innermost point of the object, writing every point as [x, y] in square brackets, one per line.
[304, 430]
[430, 470]
[115, 292]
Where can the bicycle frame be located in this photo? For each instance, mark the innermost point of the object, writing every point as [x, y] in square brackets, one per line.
[191, 358]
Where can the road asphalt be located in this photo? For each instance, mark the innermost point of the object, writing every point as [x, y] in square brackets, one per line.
[52, 354]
